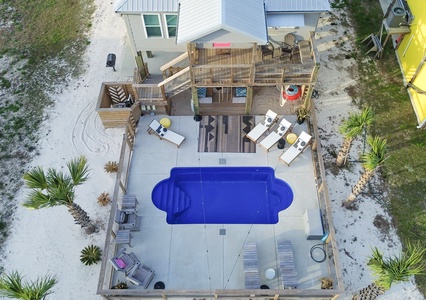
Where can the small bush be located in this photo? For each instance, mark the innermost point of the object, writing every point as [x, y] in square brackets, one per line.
[111, 167]
[120, 286]
[104, 199]
[91, 255]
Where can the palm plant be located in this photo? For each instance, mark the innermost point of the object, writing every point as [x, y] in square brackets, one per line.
[11, 286]
[52, 188]
[91, 255]
[371, 162]
[351, 128]
[392, 270]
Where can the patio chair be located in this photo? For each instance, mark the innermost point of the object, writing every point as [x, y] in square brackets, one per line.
[164, 133]
[289, 44]
[298, 147]
[140, 275]
[127, 219]
[286, 259]
[267, 49]
[251, 267]
[263, 126]
[123, 261]
[283, 127]
[129, 202]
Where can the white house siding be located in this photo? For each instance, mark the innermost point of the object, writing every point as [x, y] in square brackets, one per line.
[136, 32]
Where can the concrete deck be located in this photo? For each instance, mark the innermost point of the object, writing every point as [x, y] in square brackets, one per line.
[197, 257]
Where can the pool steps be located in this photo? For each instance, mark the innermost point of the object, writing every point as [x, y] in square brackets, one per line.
[172, 199]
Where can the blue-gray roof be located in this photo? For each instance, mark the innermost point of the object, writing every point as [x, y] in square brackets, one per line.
[199, 18]
[137, 6]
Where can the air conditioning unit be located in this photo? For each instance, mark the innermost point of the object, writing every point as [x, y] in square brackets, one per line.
[396, 17]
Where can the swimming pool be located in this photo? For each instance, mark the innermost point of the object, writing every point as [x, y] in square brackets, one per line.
[222, 195]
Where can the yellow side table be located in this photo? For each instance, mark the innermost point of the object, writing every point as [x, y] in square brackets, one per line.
[166, 122]
[291, 138]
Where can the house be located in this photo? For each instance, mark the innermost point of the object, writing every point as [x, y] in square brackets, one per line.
[411, 53]
[229, 49]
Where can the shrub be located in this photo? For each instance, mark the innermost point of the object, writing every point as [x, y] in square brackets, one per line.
[91, 255]
[104, 199]
[111, 167]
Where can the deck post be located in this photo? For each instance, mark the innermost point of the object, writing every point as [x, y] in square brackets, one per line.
[195, 102]
[249, 100]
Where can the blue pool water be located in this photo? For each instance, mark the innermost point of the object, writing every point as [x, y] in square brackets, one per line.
[222, 195]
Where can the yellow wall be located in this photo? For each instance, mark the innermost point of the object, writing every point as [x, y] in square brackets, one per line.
[411, 52]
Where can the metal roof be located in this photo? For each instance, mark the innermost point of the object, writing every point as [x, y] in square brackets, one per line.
[200, 18]
[132, 6]
[296, 5]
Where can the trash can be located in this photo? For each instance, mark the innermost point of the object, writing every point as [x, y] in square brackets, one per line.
[111, 61]
[281, 143]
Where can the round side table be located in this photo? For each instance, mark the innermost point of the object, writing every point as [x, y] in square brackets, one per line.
[270, 273]
[291, 138]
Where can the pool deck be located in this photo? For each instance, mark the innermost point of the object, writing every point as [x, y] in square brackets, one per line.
[205, 257]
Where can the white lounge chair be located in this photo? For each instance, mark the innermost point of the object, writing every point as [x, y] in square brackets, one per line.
[298, 147]
[272, 138]
[262, 127]
[164, 133]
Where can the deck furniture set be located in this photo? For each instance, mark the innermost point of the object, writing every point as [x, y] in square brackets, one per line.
[127, 220]
[282, 130]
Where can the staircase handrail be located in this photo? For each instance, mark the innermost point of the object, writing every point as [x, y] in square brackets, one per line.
[174, 61]
[171, 78]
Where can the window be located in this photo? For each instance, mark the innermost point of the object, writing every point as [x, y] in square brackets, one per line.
[171, 21]
[152, 26]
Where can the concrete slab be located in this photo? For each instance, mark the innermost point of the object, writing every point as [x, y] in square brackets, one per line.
[209, 256]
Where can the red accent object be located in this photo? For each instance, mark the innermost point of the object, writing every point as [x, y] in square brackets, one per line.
[221, 45]
[293, 92]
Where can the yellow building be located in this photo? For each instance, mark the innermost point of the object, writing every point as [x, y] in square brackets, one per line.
[412, 55]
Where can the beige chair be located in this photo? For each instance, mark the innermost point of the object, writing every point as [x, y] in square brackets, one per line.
[269, 119]
[298, 147]
[283, 127]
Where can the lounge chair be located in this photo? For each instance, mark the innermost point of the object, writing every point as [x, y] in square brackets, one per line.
[127, 219]
[288, 272]
[298, 147]
[251, 268]
[140, 275]
[123, 261]
[262, 127]
[283, 127]
[164, 133]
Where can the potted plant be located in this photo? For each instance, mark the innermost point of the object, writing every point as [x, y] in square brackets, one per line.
[301, 114]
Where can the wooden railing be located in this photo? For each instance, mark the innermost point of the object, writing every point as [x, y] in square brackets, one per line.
[325, 205]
